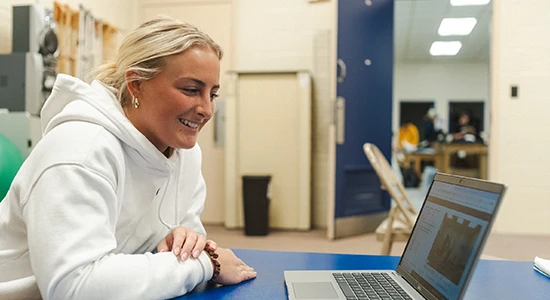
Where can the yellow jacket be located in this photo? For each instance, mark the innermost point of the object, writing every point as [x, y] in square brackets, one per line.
[409, 133]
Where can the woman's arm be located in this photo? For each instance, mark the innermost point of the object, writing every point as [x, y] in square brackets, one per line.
[71, 216]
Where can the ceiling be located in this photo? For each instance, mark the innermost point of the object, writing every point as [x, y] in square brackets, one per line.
[417, 22]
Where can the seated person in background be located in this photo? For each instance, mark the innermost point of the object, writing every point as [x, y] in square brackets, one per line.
[431, 131]
[408, 137]
[467, 132]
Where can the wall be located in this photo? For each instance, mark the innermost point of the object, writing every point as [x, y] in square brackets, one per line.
[441, 83]
[278, 35]
[120, 13]
[518, 154]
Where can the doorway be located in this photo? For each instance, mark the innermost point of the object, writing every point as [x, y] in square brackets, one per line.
[452, 82]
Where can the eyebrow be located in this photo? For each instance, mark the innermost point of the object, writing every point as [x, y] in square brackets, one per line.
[201, 83]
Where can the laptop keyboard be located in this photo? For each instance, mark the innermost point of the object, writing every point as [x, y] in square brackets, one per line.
[368, 285]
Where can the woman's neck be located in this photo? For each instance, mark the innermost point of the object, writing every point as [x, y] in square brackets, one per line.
[168, 152]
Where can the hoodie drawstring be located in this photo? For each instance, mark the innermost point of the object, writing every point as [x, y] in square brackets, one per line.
[176, 214]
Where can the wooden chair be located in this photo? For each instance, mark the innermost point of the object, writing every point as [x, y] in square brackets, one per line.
[400, 221]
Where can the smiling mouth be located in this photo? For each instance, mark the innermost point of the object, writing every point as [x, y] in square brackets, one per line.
[188, 123]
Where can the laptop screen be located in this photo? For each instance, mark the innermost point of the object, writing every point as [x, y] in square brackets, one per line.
[449, 234]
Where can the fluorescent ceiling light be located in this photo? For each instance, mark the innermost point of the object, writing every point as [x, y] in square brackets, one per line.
[456, 26]
[469, 2]
[445, 48]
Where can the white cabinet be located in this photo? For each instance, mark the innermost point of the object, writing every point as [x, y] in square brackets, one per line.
[268, 132]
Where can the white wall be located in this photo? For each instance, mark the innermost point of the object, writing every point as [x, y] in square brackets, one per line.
[120, 13]
[441, 83]
[278, 35]
[518, 154]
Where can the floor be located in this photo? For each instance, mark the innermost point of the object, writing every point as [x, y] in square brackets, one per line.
[510, 247]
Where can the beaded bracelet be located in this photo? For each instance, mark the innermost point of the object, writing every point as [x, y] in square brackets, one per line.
[214, 257]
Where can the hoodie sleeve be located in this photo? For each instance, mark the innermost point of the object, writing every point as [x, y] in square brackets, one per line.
[71, 238]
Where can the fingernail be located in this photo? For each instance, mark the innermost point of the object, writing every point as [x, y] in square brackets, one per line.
[196, 253]
[184, 256]
[176, 250]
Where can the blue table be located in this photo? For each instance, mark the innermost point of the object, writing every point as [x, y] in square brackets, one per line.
[492, 279]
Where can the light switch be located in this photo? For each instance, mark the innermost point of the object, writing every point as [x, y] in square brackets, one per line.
[514, 91]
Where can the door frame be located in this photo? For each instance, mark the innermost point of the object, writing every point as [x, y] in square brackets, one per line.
[350, 224]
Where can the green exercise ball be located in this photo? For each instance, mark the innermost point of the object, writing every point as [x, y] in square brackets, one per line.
[10, 162]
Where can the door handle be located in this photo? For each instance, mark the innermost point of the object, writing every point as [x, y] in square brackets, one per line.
[340, 119]
[343, 70]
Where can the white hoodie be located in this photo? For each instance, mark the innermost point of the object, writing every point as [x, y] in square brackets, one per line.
[91, 203]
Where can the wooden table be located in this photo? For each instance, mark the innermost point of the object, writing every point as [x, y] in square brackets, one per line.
[416, 158]
[442, 158]
[445, 151]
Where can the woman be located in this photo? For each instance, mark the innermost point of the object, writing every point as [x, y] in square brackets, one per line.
[107, 205]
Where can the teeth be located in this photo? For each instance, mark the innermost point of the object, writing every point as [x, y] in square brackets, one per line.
[188, 123]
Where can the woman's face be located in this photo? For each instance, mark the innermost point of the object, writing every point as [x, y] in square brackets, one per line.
[179, 101]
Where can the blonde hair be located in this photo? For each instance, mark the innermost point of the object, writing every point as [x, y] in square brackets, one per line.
[143, 51]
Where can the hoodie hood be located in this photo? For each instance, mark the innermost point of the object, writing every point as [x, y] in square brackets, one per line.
[104, 110]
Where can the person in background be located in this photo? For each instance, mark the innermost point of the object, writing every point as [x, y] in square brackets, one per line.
[467, 132]
[408, 137]
[108, 204]
[432, 132]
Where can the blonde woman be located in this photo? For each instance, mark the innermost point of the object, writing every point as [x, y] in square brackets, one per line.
[108, 204]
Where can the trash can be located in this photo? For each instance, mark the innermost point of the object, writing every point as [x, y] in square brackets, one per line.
[256, 204]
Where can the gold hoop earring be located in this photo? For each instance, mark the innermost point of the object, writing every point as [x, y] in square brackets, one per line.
[136, 103]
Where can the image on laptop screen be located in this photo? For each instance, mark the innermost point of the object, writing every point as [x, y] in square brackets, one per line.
[451, 226]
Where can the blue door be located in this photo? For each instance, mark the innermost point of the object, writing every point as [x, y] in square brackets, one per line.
[363, 112]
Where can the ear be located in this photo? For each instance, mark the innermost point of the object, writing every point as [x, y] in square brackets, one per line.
[134, 86]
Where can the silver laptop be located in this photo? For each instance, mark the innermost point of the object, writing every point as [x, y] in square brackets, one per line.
[439, 258]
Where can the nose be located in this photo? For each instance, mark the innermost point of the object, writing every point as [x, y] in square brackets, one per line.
[206, 107]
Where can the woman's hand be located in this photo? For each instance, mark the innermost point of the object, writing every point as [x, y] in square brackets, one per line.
[185, 242]
[233, 270]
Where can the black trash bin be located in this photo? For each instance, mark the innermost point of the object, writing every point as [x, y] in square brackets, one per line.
[256, 205]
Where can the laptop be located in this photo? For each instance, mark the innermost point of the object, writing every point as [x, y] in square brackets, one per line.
[440, 255]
